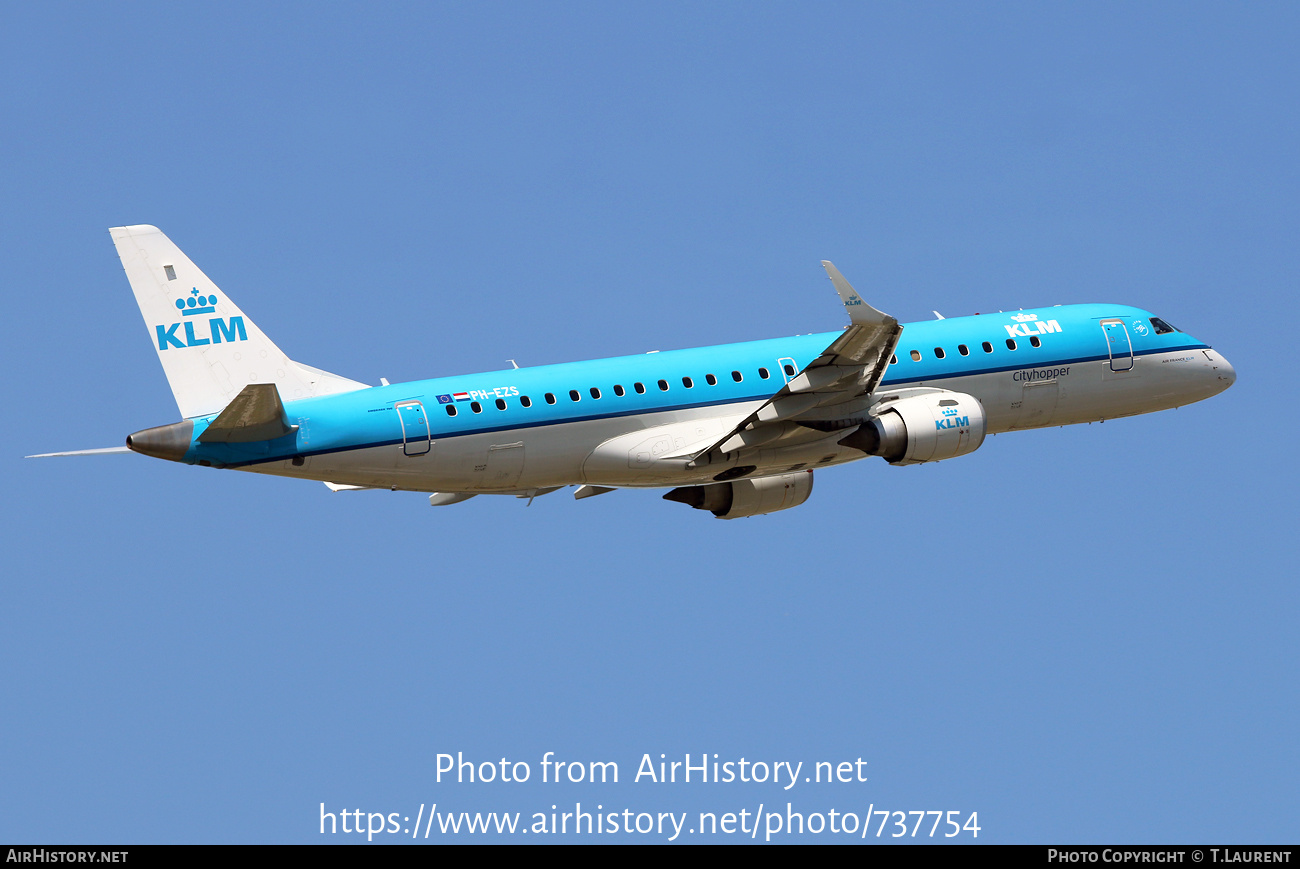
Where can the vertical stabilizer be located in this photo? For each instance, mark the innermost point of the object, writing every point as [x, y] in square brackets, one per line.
[209, 349]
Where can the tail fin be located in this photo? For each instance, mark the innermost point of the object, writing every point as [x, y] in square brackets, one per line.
[209, 349]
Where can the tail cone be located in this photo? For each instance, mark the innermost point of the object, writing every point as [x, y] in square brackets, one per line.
[170, 442]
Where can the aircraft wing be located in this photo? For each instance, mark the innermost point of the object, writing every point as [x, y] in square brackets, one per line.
[851, 367]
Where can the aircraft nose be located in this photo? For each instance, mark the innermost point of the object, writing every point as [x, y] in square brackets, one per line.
[1218, 374]
[1227, 374]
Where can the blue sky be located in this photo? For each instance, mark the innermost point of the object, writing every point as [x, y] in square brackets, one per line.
[1082, 634]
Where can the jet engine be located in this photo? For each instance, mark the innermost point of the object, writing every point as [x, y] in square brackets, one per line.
[739, 498]
[922, 428]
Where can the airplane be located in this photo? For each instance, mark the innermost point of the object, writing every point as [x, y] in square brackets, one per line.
[736, 429]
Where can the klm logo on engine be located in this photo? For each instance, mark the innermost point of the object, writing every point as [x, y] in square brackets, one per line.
[219, 328]
[1029, 324]
[951, 420]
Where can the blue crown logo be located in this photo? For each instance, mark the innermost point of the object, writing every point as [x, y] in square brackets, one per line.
[950, 411]
[197, 304]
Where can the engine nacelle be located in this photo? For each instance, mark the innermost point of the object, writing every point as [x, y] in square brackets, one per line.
[747, 497]
[922, 428]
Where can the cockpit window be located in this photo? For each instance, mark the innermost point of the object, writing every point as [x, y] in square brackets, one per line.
[1162, 328]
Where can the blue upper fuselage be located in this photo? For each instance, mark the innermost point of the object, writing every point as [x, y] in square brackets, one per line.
[929, 351]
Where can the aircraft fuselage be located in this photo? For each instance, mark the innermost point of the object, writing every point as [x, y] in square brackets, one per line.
[609, 421]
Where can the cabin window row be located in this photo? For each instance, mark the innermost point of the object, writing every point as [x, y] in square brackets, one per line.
[638, 388]
[987, 347]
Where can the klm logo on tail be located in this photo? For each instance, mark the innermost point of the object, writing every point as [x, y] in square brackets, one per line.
[219, 328]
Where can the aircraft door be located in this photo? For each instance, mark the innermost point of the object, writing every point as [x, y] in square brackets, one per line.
[505, 463]
[789, 368]
[415, 428]
[1119, 345]
[1037, 404]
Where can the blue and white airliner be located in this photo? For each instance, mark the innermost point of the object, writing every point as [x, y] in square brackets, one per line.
[736, 429]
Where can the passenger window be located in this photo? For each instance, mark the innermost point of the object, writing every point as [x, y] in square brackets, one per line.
[525, 401]
[1033, 339]
[595, 393]
[687, 382]
[663, 386]
[1011, 343]
[737, 376]
[893, 360]
[763, 373]
[476, 407]
[618, 390]
[938, 352]
[639, 387]
[451, 410]
[963, 349]
[501, 404]
[574, 396]
[916, 355]
[711, 380]
[988, 348]
[550, 398]
[789, 370]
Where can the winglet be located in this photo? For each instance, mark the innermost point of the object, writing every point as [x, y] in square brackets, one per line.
[860, 312]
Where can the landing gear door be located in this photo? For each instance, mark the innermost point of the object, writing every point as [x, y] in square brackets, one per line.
[1119, 345]
[415, 427]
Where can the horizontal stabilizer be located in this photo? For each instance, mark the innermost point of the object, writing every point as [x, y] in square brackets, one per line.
[256, 414]
[102, 451]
